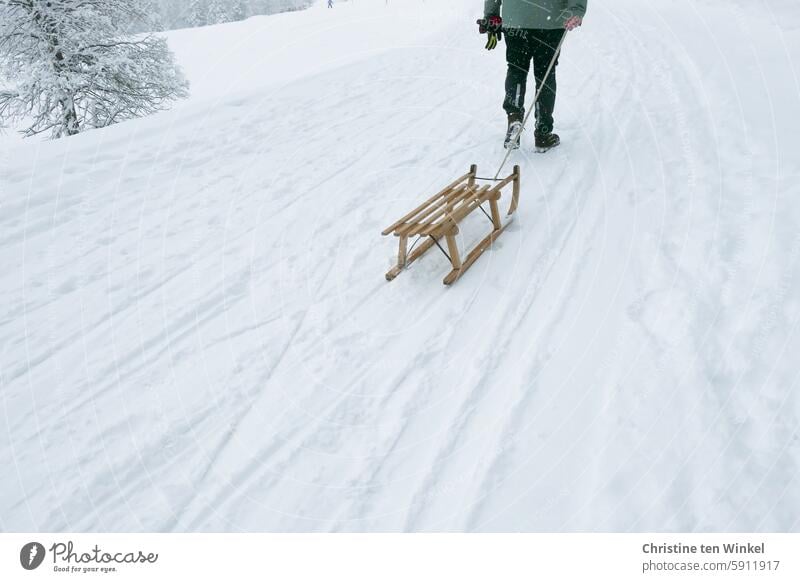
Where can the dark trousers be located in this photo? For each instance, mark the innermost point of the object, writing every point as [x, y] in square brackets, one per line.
[524, 45]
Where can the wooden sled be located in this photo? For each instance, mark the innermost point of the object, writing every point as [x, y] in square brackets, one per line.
[439, 217]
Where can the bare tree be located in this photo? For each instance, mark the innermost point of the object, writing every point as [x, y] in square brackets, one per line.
[70, 65]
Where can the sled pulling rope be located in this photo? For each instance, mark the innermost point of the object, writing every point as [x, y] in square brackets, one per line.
[438, 218]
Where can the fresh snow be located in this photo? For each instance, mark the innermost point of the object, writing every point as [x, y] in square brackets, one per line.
[196, 334]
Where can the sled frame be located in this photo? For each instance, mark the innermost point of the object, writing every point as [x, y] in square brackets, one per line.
[438, 218]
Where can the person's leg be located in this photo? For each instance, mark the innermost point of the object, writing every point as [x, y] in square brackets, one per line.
[543, 47]
[519, 63]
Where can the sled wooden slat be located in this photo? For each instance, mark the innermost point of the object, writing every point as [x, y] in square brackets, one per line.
[433, 210]
[437, 219]
[422, 206]
[456, 208]
[459, 213]
[442, 213]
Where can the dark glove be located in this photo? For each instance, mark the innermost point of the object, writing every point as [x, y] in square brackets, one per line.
[493, 26]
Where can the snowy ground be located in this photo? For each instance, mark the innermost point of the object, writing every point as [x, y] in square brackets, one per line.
[195, 332]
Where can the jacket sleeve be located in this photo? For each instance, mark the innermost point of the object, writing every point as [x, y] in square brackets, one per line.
[492, 7]
[574, 7]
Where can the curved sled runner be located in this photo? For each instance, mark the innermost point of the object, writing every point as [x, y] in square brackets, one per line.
[439, 217]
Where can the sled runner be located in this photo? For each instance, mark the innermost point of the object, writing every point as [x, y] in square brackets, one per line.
[439, 216]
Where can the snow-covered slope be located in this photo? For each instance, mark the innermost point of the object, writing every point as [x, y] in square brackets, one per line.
[196, 333]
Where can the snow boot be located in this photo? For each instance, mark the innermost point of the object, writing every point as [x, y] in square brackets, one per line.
[545, 140]
[512, 135]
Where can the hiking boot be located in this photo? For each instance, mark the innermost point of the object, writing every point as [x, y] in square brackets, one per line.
[512, 135]
[546, 140]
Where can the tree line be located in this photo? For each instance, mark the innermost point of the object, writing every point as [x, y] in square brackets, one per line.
[172, 14]
[71, 65]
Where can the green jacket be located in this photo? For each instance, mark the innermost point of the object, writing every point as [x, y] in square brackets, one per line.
[547, 14]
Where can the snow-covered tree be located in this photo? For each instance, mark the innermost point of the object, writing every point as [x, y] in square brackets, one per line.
[219, 11]
[198, 13]
[71, 65]
[238, 10]
[203, 12]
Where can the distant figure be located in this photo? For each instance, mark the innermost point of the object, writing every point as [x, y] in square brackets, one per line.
[330, 3]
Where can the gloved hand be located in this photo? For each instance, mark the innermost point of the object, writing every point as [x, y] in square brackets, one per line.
[493, 26]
